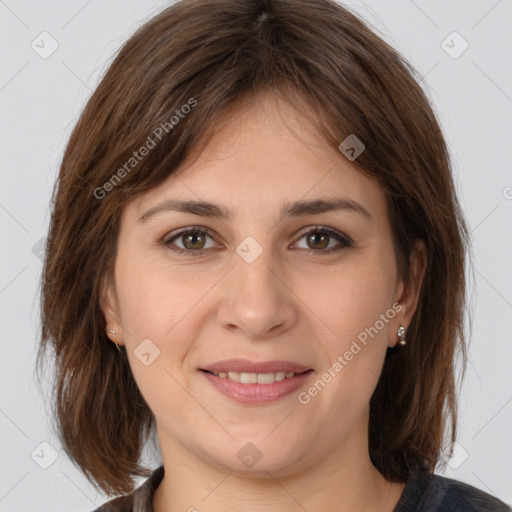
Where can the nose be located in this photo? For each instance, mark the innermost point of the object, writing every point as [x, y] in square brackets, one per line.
[256, 299]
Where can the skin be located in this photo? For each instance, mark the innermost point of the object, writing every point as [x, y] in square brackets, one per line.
[295, 302]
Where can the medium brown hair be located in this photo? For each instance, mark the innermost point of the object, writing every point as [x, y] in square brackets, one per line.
[216, 53]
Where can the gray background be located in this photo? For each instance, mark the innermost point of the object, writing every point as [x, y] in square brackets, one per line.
[40, 99]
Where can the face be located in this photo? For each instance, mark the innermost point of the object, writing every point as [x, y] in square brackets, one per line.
[269, 283]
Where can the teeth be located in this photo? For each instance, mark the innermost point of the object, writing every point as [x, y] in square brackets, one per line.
[255, 378]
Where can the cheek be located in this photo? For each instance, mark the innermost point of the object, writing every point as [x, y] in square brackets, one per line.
[353, 344]
[154, 294]
[157, 304]
[354, 318]
[349, 301]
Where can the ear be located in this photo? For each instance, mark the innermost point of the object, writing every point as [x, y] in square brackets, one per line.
[109, 306]
[407, 294]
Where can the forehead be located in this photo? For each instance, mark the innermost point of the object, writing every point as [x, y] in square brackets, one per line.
[264, 154]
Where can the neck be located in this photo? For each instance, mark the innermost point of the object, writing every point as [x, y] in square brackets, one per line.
[345, 480]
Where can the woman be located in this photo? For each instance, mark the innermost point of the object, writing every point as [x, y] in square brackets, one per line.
[256, 250]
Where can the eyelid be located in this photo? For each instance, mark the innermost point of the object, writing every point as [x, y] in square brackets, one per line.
[326, 229]
[341, 237]
[344, 241]
[189, 229]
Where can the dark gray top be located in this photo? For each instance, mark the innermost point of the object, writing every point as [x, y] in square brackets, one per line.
[423, 493]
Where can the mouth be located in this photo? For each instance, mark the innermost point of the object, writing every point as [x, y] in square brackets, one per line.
[255, 378]
[252, 383]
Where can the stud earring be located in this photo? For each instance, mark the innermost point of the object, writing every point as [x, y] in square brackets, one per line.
[113, 331]
[401, 335]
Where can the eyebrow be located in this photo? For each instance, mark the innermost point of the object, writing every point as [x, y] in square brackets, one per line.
[295, 209]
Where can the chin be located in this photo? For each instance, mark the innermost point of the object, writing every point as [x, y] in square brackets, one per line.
[256, 458]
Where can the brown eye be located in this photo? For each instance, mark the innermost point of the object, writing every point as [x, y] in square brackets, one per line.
[193, 242]
[319, 238]
[317, 241]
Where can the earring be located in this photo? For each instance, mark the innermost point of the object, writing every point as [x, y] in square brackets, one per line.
[117, 346]
[112, 331]
[401, 335]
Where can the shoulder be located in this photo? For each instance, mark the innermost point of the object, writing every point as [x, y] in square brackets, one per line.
[455, 495]
[121, 504]
[141, 499]
[435, 493]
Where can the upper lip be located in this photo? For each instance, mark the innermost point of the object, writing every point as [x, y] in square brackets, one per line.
[246, 366]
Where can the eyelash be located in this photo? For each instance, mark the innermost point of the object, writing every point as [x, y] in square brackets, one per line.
[343, 239]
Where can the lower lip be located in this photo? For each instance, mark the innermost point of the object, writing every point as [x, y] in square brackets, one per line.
[257, 393]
